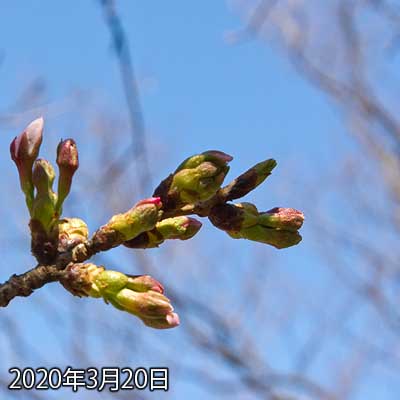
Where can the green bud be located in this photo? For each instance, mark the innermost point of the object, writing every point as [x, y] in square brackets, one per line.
[146, 305]
[274, 237]
[68, 163]
[43, 175]
[249, 210]
[24, 150]
[199, 177]
[109, 282]
[142, 217]
[123, 227]
[43, 206]
[181, 228]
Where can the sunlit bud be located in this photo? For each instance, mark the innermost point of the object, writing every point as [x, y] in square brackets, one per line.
[148, 304]
[249, 180]
[140, 218]
[68, 163]
[122, 227]
[287, 219]
[71, 232]
[43, 206]
[109, 282]
[24, 150]
[181, 228]
[274, 237]
[199, 177]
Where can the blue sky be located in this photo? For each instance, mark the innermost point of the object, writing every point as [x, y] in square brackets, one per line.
[198, 92]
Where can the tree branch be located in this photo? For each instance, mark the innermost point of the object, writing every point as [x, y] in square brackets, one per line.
[23, 285]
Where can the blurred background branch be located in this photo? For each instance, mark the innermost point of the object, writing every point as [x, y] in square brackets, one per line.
[136, 151]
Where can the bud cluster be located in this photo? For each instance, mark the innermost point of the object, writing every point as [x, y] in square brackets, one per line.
[277, 227]
[36, 179]
[140, 295]
[193, 189]
[197, 179]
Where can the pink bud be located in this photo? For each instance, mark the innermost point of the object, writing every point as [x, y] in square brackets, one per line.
[192, 226]
[144, 283]
[173, 320]
[151, 200]
[282, 218]
[26, 145]
[170, 320]
[67, 155]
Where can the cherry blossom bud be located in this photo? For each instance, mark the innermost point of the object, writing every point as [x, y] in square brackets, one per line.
[277, 227]
[123, 227]
[24, 150]
[141, 296]
[197, 179]
[287, 219]
[68, 163]
[181, 228]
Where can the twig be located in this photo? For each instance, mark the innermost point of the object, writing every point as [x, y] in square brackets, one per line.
[23, 285]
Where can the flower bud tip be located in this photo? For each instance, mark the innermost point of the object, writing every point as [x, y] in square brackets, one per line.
[219, 155]
[173, 319]
[67, 155]
[151, 200]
